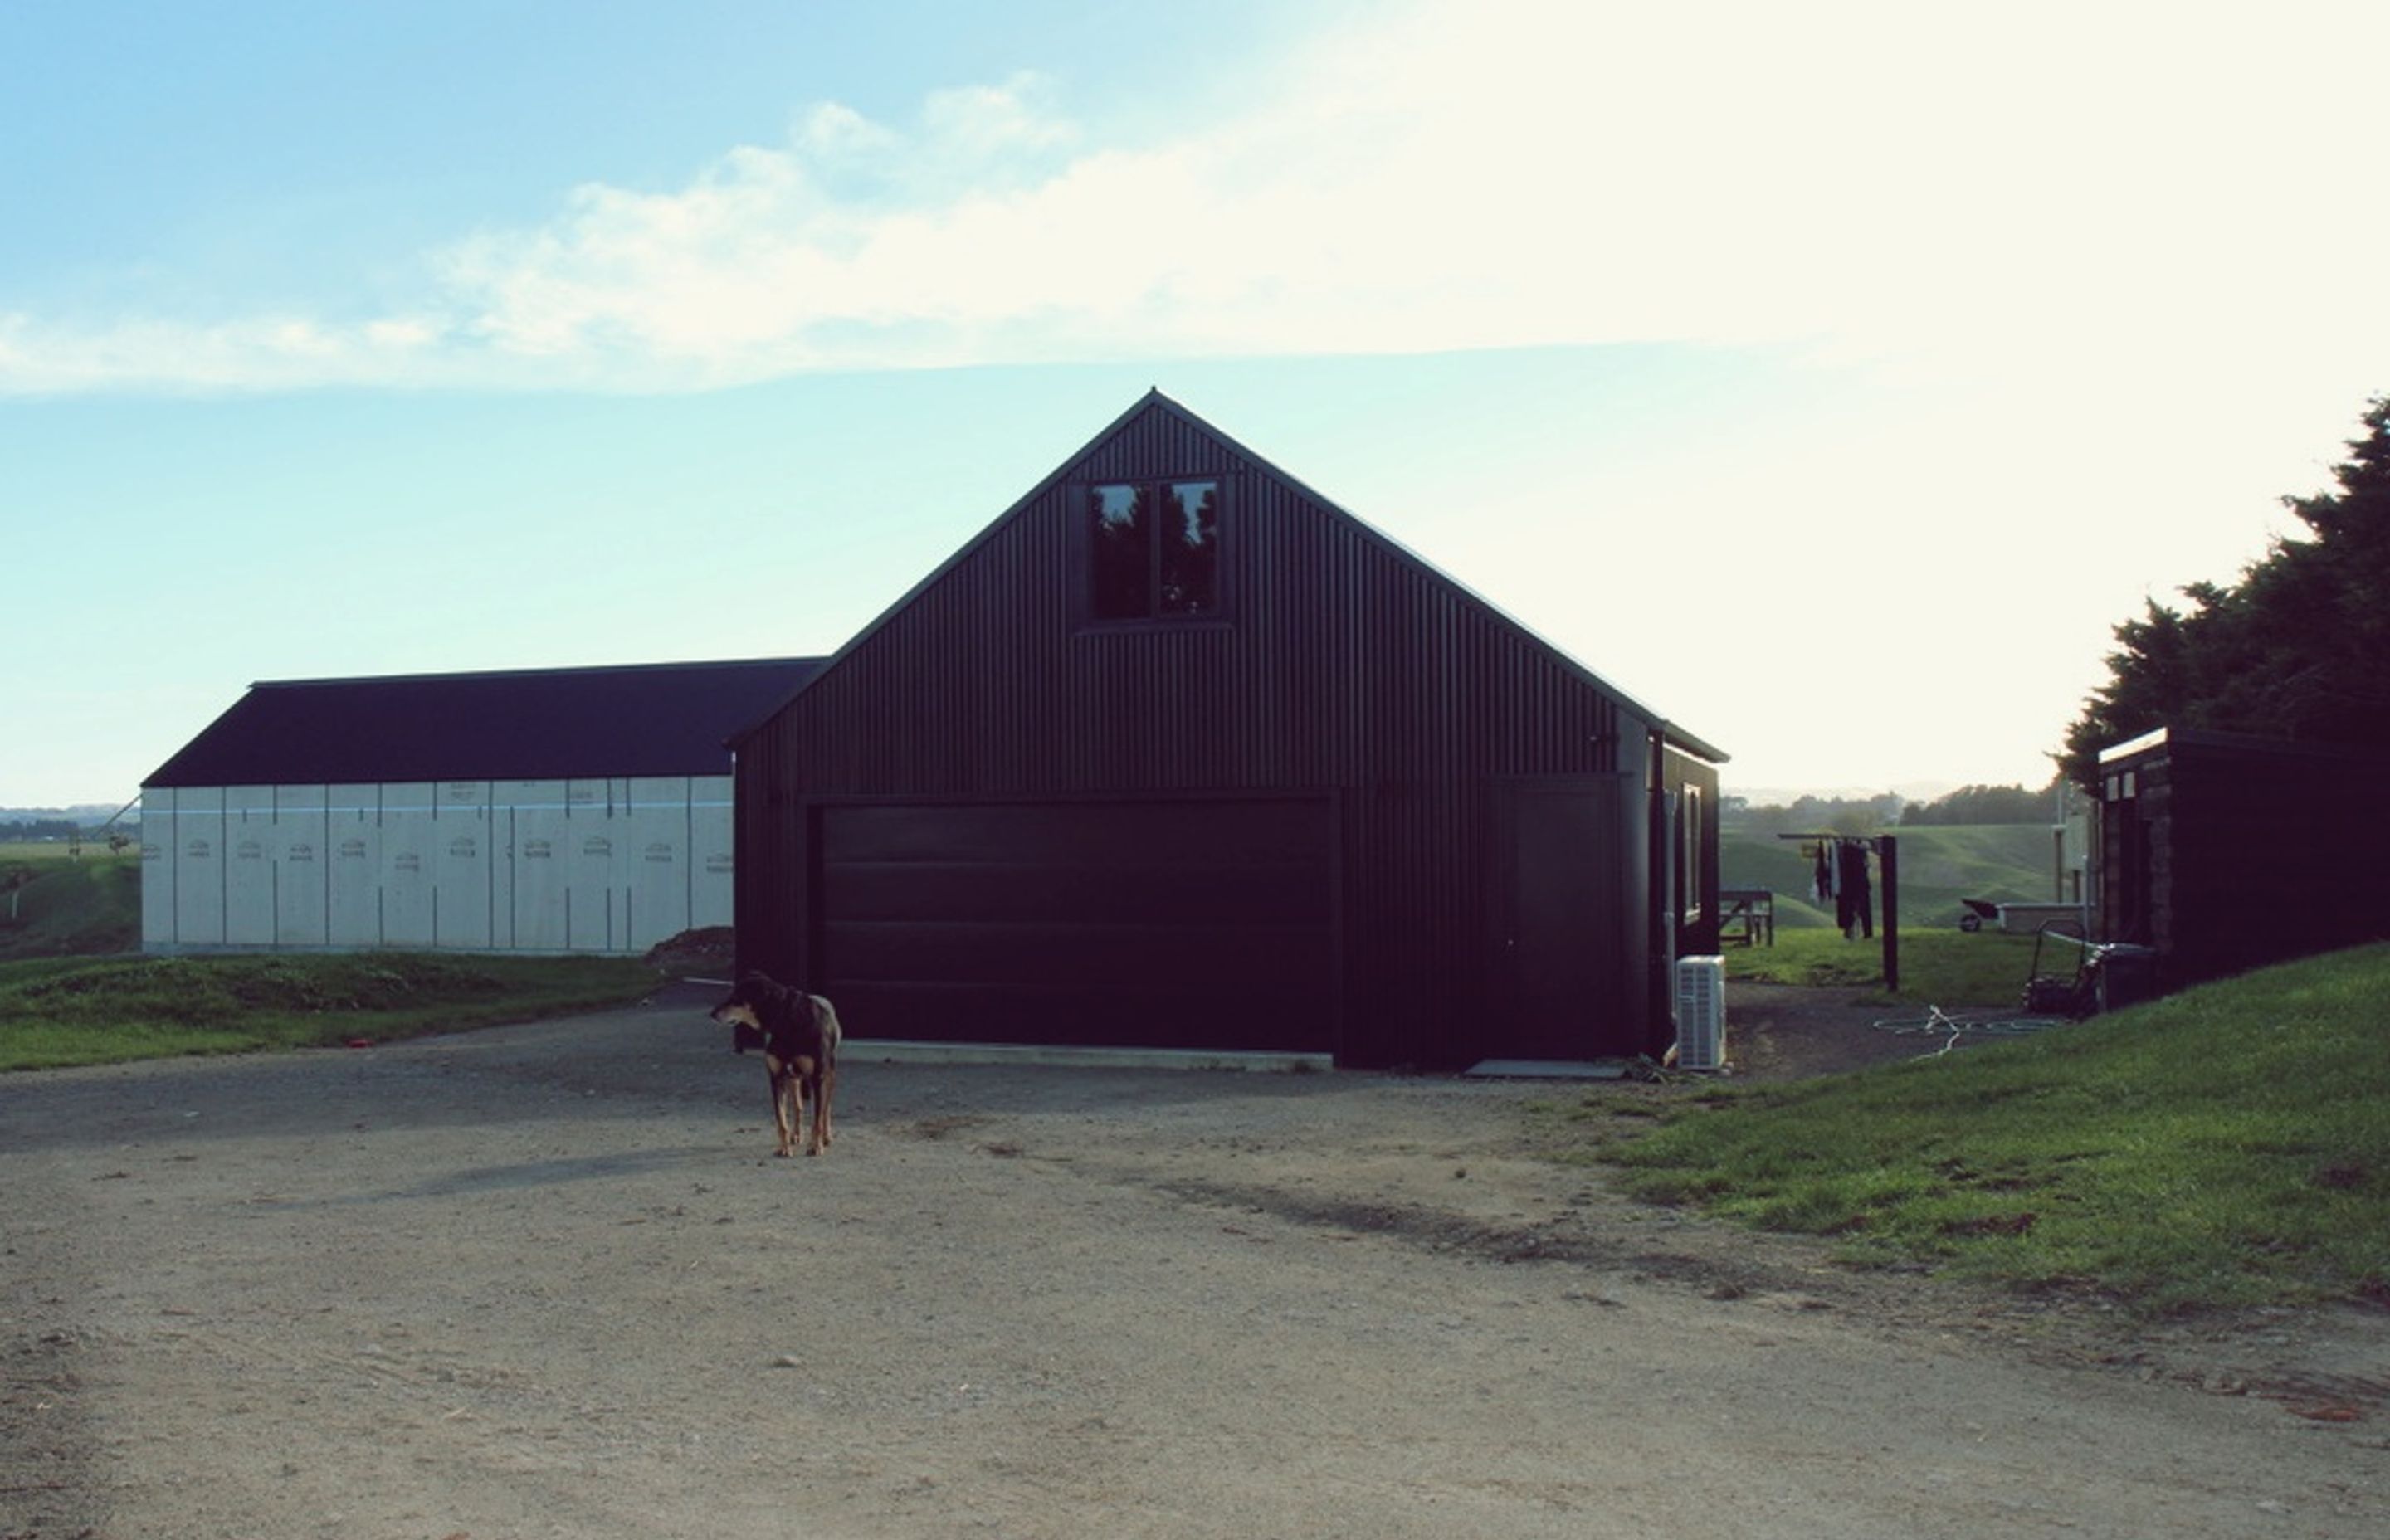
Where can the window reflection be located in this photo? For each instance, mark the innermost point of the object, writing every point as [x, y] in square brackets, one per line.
[1190, 550]
[1120, 575]
[1154, 550]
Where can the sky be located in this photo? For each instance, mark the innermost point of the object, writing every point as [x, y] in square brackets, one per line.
[1830, 377]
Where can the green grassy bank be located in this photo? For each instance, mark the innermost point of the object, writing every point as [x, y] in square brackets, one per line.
[99, 1010]
[69, 907]
[2227, 1145]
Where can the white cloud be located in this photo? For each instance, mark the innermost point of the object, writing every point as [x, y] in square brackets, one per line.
[2118, 184]
[250, 353]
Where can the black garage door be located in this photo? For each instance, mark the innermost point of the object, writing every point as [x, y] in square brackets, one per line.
[1185, 923]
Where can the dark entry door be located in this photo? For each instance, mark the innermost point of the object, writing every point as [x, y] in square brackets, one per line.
[1572, 895]
[1180, 923]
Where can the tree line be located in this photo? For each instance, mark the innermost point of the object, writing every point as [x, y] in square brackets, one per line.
[1889, 810]
[39, 828]
[1985, 804]
[2297, 649]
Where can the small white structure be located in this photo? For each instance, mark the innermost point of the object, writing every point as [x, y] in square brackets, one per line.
[564, 811]
[1701, 1013]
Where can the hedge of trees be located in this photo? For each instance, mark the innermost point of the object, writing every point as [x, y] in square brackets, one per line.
[2298, 648]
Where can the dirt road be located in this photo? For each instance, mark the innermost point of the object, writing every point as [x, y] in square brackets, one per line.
[546, 1281]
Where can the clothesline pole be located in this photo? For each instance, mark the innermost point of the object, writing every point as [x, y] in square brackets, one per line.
[1888, 851]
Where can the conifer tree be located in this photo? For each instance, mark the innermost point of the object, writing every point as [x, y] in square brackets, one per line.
[2299, 649]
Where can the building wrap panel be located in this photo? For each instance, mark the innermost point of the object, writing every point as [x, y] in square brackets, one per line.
[198, 854]
[248, 868]
[158, 866]
[592, 867]
[353, 886]
[660, 872]
[541, 839]
[462, 854]
[410, 866]
[596, 866]
[296, 845]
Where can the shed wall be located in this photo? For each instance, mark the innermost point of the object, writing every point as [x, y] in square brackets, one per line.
[603, 866]
[2226, 854]
[1340, 667]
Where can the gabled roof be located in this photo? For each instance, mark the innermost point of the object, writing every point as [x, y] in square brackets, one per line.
[1154, 400]
[664, 719]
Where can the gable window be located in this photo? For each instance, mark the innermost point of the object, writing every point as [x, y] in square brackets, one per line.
[1153, 550]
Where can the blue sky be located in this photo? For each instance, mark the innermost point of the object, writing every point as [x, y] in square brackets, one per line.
[1911, 347]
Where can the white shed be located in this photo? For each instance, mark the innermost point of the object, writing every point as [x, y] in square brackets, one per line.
[569, 810]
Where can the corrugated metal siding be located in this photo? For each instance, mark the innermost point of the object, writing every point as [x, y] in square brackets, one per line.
[1343, 664]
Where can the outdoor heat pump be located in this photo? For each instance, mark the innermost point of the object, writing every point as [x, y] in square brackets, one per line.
[1701, 1013]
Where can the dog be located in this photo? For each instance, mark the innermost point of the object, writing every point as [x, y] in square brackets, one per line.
[799, 1034]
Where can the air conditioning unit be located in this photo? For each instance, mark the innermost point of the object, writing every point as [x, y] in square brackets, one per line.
[1701, 1013]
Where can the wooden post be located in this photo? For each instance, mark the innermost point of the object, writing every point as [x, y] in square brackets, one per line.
[1889, 847]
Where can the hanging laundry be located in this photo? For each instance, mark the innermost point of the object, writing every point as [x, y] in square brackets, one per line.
[1853, 900]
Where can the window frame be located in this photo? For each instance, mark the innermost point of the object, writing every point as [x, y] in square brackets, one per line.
[1692, 891]
[1159, 492]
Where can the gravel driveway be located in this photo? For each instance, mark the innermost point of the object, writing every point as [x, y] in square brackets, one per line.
[546, 1281]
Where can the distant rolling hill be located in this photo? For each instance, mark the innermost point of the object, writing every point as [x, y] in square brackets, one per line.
[1938, 867]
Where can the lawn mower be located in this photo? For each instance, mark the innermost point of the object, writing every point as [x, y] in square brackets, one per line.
[2047, 993]
[2109, 975]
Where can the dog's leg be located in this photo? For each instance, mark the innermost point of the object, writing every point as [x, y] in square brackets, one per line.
[784, 1095]
[804, 1075]
[822, 1106]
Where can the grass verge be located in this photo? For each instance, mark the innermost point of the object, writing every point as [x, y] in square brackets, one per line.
[66, 907]
[56, 1012]
[2227, 1145]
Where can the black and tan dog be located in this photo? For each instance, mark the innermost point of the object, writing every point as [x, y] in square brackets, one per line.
[799, 1035]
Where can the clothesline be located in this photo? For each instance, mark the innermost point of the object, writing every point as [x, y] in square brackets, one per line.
[1842, 878]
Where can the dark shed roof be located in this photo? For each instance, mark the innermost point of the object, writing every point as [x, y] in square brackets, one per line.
[664, 719]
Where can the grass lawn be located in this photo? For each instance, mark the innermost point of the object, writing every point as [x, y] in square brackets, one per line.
[102, 1011]
[1941, 967]
[2227, 1145]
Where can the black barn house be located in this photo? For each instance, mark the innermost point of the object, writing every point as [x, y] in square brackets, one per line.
[1178, 754]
